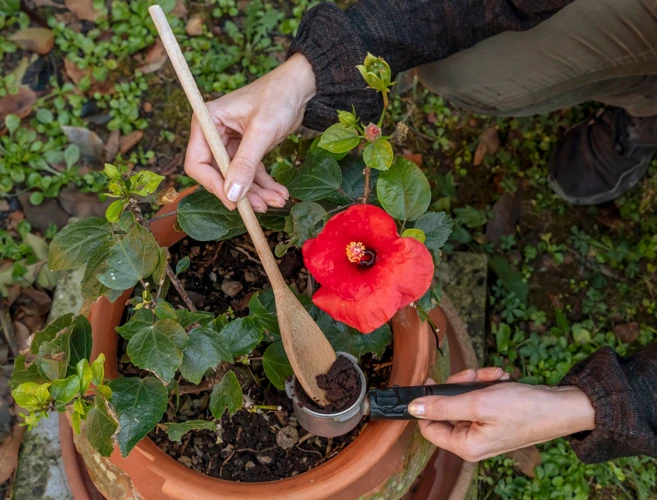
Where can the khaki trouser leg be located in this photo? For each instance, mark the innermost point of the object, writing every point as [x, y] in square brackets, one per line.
[604, 50]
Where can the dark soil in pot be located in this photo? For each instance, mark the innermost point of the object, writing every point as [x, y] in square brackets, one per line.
[252, 446]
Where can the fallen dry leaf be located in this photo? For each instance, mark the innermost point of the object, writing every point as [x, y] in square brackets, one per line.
[9, 452]
[129, 141]
[179, 10]
[40, 216]
[155, 58]
[506, 214]
[148, 107]
[167, 196]
[91, 146]
[21, 335]
[112, 145]
[489, 143]
[74, 72]
[628, 332]
[194, 25]
[82, 205]
[415, 158]
[39, 40]
[34, 302]
[19, 104]
[83, 9]
[526, 460]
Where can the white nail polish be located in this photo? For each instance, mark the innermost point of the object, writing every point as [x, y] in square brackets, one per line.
[235, 192]
[417, 409]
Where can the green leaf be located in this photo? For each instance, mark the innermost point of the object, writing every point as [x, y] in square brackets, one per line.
[80, 342]
[417, 234]
[98, 370]
[339, 138]
[176, 431]
[182, 265]
[404, 191]
[101, 427]
[142, 318]
[83, 371]
[163, 310]
[114, 211]
[130, 260]
[12, 122]
[378, 154]
[158, 348]
[96, 265]
[187, 318]
[112, 172]
[470, 216]
[240, 336]
[49, 333]
[76, 243]
[44, 116]
[204, 218]
[36, 198]
[227, 394]
[104, 390]
[71, 155]
[266, 320]
[347, 339]
[503, 337]
[512, 280]
[65, 390]
[429, 300]
[144, 183]
[22, 373]
[318, 177]
[160, 273]
[205, 349]
[31, 396]
[305, 221]
[139, 404]
[437, 226]
[277, 366]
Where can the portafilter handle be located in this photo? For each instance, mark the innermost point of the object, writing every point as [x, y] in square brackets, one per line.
[392, 403]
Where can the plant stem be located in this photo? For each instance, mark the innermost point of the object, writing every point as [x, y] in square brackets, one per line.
[366, 191]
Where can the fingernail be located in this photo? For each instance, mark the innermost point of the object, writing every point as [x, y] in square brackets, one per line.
[498, 371]
[260, 210]
[430, 381]
[281, 204]
[235, 191]
[506, 376]
[417, 409]
[467, 372]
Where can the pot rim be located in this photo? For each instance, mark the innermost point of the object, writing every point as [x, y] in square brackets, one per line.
[410, 364]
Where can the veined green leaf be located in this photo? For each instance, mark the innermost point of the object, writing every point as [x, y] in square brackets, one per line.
[277, 366]
[404, 191]
[205, 349]
[339, 138]
[158, 348]
[176, 431]
[101, 427]
[378, 154]
[76, 243]
[227, 394]
[318, 177]
[204, 218]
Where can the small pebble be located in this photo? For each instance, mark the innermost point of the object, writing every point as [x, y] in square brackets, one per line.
[198, 441]
[249, 465]
[231, 288]
[227, 451]
[213, 276]
[292, 421]
[264, 459]
[249, 277]
[185, 461]
[287, 437]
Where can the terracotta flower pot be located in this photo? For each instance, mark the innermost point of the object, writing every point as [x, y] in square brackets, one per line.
[382, 462]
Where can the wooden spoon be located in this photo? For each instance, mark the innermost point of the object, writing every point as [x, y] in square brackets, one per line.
[308, 350]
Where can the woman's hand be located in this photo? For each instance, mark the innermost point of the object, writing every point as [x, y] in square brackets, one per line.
[251, 121]
[500, 418]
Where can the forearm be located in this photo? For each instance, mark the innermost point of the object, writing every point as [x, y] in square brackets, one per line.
[407, 33]
[623, 392]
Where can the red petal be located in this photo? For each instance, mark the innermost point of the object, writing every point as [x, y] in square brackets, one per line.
[413, 267]
[325, 256]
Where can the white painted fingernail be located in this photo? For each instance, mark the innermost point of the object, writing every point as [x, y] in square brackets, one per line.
[260, 210]
[506, 376]
[280, 204]
[235, 192]
[417, 409]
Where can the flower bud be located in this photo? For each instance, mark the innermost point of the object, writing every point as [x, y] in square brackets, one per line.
[376, 72]
[372, 132]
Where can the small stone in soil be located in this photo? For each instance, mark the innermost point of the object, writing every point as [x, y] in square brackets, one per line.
[287, 437]
[231, 288]
[264, 459]
[249, 465]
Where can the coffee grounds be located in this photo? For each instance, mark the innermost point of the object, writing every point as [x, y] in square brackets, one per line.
[341, 384]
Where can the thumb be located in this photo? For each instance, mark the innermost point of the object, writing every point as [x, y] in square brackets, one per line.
[243, 167]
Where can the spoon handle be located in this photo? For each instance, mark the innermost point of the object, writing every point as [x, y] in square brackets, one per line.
[214, 141]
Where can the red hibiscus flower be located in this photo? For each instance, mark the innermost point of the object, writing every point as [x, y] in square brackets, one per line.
[367, 271]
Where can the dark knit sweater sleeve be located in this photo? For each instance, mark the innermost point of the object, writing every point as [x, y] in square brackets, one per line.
[623, 392]
[406, 33]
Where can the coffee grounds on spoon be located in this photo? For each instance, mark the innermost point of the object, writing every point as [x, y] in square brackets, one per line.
[341, 385]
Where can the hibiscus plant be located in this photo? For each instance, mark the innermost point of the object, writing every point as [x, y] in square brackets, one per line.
[367, 238]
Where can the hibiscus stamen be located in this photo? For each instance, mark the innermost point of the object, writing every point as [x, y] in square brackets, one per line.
[357, 253]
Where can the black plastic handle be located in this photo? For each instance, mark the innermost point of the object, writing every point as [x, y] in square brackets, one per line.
[392, 403]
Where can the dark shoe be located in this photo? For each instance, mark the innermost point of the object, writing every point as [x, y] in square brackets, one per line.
[602, 158]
